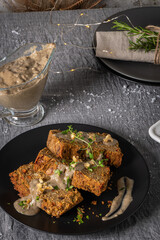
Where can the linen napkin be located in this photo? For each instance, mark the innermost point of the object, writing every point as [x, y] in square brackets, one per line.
[115, 45]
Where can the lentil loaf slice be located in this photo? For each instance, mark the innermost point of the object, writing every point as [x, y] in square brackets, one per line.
[46, 161]
[57, 202]
[45, 164]
[21, 179]
[95, 182]
[53, 202]
[64, 147]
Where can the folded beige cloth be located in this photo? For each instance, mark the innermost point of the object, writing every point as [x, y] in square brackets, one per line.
[115, 45]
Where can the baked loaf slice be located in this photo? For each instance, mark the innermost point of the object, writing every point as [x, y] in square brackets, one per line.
[47, 162]
[21, 179]
[58, 202]
[94, 181]
[43, 168]
[33, 185]
[66, 146]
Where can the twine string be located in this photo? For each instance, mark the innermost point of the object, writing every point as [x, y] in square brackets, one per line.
[157, 49]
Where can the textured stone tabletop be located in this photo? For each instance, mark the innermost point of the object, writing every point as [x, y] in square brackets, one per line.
[88, 95]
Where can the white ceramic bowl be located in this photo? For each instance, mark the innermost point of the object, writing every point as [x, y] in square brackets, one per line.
[154, 131]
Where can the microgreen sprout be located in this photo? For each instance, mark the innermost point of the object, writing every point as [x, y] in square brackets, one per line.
[69, 186]
[72, 165]
[89, 150]
[23, 204]
[90, 169]
[100, 163]
[79, 217]
[57, 171]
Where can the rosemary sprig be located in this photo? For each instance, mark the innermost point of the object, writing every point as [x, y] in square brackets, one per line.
[146, 39]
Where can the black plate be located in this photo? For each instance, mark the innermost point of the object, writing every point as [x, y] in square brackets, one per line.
[135, 71]
[24, 148]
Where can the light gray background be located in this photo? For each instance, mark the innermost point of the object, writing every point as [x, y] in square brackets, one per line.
[90, 95]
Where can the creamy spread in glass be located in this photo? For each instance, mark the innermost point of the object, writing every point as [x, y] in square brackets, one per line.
[20, 72]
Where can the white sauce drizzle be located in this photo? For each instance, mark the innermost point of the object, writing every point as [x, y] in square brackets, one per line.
[86, 136]
[31, 208]
[55, 179]
[123, 199]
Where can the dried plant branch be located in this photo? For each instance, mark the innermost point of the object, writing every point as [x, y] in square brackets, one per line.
[44, 5]
[90, 4]
[74, 5]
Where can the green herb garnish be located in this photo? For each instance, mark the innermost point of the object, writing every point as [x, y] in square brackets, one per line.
[146, 39]
[72, 163]
[79, 217]
[78, 135]
[65, 132]
[89, 150]
[70, 167]
[69, 186]
[37, 198]
[56, 187]
[91, 155]
[70, 129]
[94, 167]
[90, 169]
[100, 163]
[23, 204]
[57, 171]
